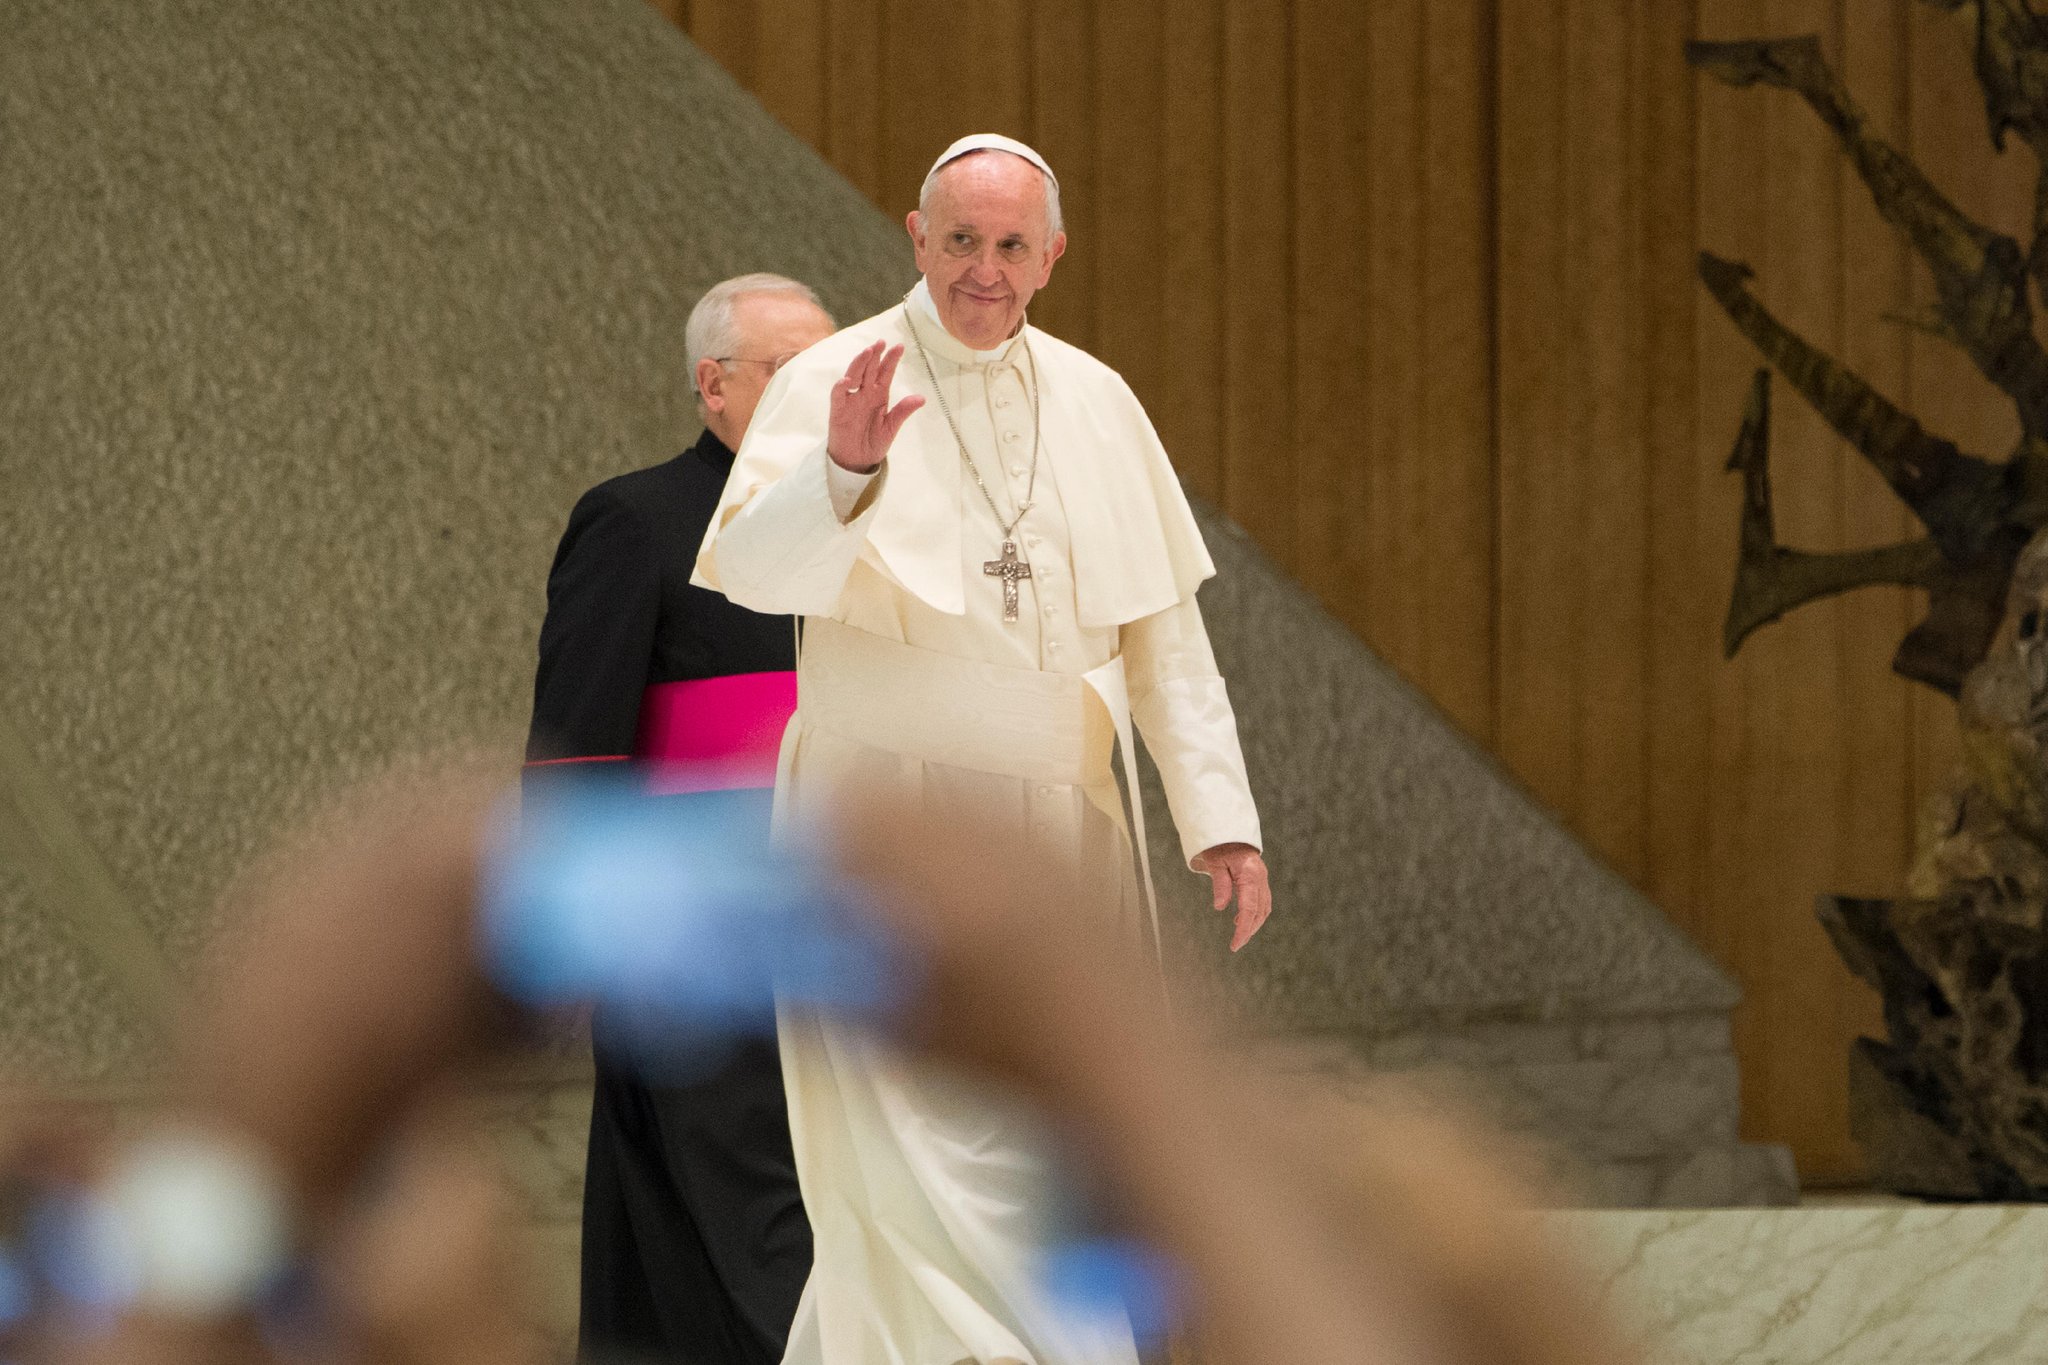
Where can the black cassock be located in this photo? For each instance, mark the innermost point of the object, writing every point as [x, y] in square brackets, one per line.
[695, 1244]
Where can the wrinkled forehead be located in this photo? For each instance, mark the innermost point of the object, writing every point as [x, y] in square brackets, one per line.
[990, 189]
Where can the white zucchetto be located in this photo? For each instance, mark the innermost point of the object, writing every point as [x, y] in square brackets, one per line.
[992, 142]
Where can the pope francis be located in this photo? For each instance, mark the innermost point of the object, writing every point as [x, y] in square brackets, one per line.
[992, 594]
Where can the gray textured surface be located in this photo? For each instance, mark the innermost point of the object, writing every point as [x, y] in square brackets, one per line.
[318, 317]
[316, 320]
[1416, 885]
[64, 1017]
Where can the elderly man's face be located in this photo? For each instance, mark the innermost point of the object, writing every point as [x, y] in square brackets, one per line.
[772, 327]
[986, 245]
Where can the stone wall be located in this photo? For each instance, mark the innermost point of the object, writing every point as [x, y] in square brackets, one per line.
[318, 318]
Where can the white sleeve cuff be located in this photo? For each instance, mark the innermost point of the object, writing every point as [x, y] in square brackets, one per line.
[785, 551]
[1192, 736]
[846, 488]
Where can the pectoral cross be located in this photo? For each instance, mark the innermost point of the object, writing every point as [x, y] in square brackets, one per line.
[1009, 568]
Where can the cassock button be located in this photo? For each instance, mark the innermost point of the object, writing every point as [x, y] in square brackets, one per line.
[1013, 436]
[1052, 646]
[1016, 471]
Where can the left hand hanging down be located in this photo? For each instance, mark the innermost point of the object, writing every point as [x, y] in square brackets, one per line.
[1238, 870]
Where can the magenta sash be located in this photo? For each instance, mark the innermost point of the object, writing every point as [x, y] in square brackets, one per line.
[714, 734]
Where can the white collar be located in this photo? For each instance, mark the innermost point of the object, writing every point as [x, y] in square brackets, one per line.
[921, 294]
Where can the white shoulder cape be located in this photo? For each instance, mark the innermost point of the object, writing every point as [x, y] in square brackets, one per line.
[1136, 548]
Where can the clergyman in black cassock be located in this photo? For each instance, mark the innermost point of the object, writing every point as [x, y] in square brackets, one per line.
[695, 1244]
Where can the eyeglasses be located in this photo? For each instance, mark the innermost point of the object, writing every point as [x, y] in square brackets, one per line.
[775, 363]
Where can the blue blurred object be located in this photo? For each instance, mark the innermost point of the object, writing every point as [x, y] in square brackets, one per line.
[68, 1268]
[678, 913]
[295, 1318]
[1101, 1275]
[69, 1247]
[17, 1298]
[52, 1270]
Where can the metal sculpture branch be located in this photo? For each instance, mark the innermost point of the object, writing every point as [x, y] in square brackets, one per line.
[1771, 579]
[1978, 512]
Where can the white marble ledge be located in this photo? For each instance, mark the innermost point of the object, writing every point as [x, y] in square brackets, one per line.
[1915, 1285]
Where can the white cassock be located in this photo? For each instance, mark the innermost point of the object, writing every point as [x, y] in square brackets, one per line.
[926, 1194]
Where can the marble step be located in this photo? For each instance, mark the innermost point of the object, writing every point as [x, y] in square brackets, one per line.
[1635, 1110]
[1894, 1284]
[1911, 1285]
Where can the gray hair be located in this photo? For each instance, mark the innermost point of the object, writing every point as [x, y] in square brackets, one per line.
[1052, 187]
[713, 332]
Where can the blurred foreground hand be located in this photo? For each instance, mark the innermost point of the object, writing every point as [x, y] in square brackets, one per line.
[1303, 1231]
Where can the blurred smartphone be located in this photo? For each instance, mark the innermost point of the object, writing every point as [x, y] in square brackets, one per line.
[680, 912]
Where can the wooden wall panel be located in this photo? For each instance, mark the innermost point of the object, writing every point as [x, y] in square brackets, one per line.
[1132, 121]
[1541, 496]
[1190, 238]
[974, 61]
[1346, 434]
[852, 138]
[776, 48]
[1452, 333]
[1409, 290]
[1259, 471]
[1065, 85]
[1390, 551]
[1609, 586]
[1688, 541]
